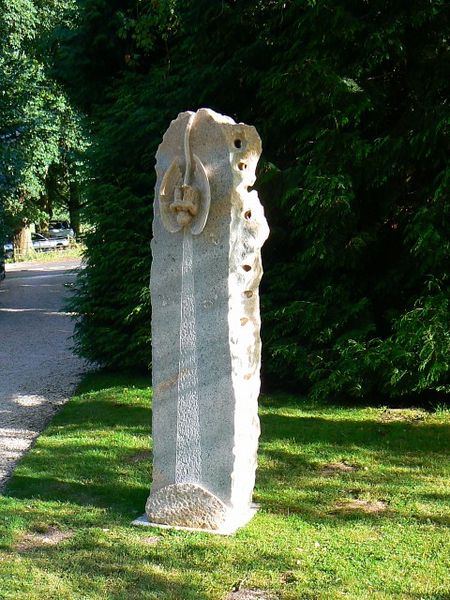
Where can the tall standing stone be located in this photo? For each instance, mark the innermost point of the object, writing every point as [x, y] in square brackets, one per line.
[207, 233]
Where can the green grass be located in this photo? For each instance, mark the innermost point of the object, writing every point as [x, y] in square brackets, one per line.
[72, 251]
[89, 475]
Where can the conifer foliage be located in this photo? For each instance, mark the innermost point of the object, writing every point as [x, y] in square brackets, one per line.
[351, 101]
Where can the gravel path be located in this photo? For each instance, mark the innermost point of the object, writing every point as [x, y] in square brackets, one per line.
[38, 371]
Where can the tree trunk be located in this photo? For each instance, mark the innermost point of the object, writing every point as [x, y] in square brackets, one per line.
[23, 246]
[51, 186]
[74, 207]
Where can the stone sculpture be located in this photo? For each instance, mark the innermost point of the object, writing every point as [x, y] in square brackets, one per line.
[207, 233]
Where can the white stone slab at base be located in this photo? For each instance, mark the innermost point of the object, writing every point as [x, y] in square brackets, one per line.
[228, 528]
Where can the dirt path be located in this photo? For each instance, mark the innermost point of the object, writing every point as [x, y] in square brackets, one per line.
[38, 371]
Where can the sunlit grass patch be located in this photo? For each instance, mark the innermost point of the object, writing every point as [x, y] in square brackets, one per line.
[353, 505]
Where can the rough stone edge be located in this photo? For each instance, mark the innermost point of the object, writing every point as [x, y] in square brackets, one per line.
[188, 502]
[228, 528]
[247, 236]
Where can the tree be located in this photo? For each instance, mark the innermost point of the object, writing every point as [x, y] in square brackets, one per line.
[357, 296]
[113, 298]
[2, 227]
[39, 128]
[350, 100]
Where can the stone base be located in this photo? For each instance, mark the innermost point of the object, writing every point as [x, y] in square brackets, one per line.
[186, 505]
[230, 526]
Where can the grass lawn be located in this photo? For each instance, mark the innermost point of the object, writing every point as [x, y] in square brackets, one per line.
[354, 504]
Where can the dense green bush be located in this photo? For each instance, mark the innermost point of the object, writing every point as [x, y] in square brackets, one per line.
[350, 100]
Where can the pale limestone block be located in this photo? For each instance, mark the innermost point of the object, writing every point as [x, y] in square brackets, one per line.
[208, 230]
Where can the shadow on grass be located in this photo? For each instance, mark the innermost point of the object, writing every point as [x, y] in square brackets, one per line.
[129, 574]
[388, 436]
[295, 449]
[125, 499]
[105, 379]
[90, 474]
[87, 457]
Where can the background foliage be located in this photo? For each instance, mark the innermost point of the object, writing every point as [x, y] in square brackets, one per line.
[350, 99]
[41, 134]
[2, 224]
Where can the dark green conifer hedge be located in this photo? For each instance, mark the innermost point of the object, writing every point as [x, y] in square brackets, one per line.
[351, 101]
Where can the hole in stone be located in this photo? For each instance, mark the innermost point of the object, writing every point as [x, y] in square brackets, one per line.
[244, 320]
[248, 215]
[242, 166]
[248, 293]
[246, 268]
[238, 143]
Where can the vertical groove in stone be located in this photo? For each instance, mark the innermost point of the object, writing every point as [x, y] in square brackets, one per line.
[188, 450]
[205, 322]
